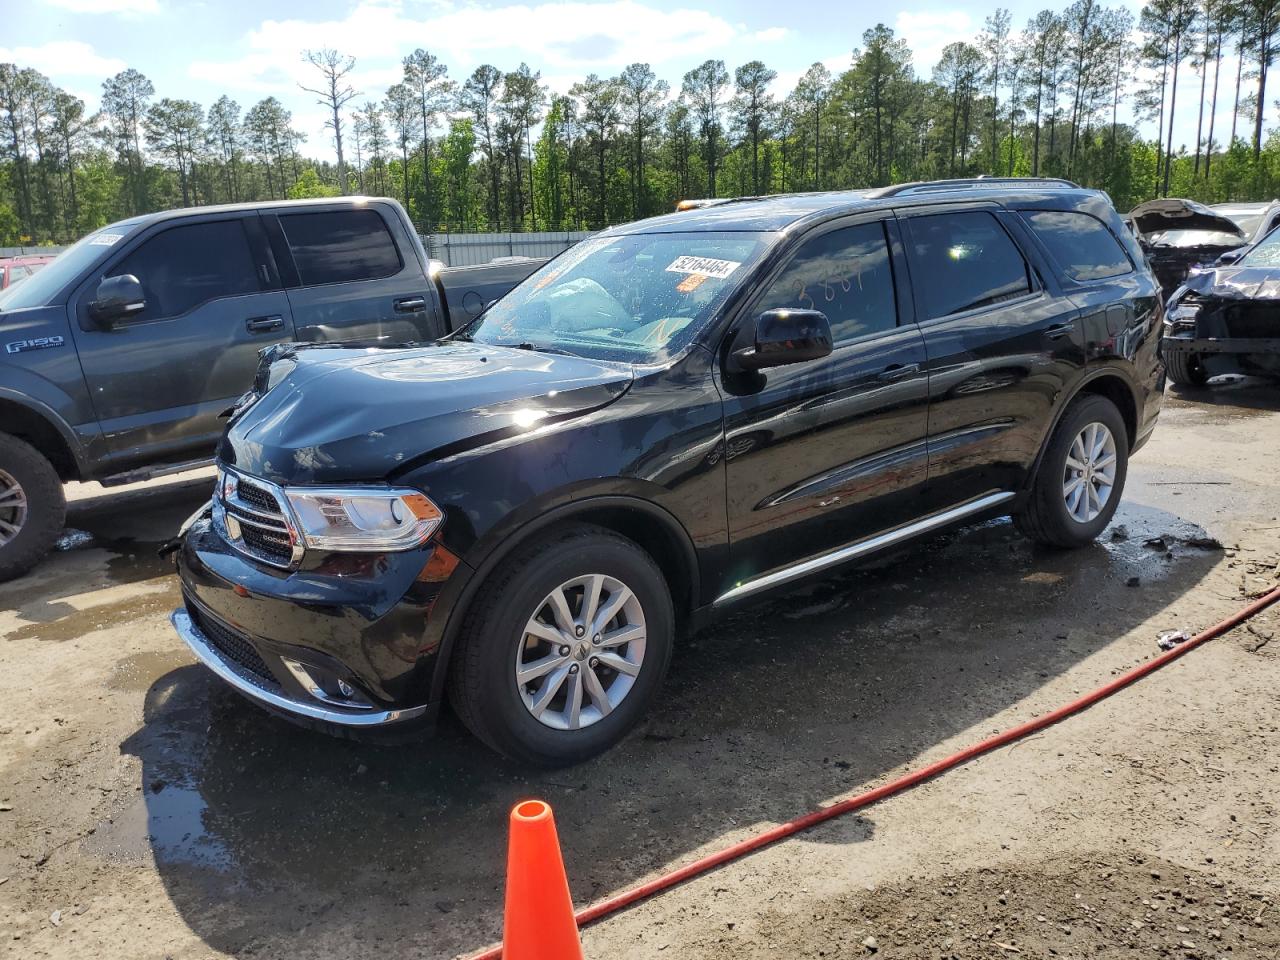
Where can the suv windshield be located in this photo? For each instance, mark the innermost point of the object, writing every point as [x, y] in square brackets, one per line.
[636, 298]
[40, 288]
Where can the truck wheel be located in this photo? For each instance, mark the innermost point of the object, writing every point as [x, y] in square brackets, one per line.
[1077, 488]
[1185, 369]
[564, 648]
[32, 507]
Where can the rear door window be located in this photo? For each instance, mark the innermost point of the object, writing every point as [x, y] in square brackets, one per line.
[339, 246]
[183, 267]
[964, 261]
[1081, 244]
[845, 274]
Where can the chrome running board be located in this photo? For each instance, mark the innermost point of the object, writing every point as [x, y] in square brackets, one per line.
[863, 547]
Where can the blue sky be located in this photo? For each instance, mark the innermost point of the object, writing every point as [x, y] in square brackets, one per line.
[199, 50]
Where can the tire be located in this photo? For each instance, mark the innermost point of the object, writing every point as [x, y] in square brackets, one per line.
[1048, 516]
[1185, 369]
[32, 507]
[483, 685]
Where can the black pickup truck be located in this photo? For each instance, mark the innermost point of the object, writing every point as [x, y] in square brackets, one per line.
[117, 359]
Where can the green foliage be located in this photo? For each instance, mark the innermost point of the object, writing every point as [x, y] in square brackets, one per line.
[499, 150]
[309, 186]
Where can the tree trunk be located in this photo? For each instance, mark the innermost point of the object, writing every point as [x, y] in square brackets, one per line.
[1213, 103]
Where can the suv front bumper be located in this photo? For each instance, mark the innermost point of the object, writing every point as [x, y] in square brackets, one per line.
[346, 643]
[253, 686]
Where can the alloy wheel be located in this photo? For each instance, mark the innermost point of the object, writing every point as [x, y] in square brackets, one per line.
[581, 652]
[1090, 472]
[13, 508]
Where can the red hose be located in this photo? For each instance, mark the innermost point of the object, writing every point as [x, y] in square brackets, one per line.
[647, 889]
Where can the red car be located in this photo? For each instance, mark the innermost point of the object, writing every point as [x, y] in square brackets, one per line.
[13, 269]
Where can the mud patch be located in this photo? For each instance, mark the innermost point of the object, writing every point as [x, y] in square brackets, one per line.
[74, 624]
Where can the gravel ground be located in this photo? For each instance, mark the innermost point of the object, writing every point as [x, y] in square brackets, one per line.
[146, 811]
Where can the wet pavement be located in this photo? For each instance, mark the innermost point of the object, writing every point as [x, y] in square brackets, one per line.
[192, 822]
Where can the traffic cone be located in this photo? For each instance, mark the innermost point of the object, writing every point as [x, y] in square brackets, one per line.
[538, 923]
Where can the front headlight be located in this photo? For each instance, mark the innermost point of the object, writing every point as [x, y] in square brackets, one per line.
[1183, 312]
[363, 519]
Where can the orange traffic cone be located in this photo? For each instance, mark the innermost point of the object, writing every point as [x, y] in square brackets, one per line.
[539, 923]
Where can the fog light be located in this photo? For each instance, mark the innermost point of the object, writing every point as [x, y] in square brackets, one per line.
[346, 689]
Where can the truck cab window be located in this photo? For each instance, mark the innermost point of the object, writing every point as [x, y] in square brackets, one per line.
[183, 267]
[340, 246]
[846, 274]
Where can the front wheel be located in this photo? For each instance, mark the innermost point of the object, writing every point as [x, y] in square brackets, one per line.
[564, 649]
[1185, 369]
[1077, 488]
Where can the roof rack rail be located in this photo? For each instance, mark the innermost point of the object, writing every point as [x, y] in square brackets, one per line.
[973, 183]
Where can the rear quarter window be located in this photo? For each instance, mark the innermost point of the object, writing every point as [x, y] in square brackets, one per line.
[340, 246]
[1080, 243]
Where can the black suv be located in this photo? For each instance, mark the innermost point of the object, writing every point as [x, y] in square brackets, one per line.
[671, 417]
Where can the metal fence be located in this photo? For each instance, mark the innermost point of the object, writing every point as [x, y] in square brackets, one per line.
[469, 249]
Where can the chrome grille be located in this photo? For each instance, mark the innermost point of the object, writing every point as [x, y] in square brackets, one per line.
[251, 515]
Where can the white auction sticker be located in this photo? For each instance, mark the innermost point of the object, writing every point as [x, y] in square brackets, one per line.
[106, 239]
[706, 266]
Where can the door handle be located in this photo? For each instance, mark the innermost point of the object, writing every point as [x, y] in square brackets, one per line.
[263, 324]
[410, 304]
[1060, 330]
[899, 371]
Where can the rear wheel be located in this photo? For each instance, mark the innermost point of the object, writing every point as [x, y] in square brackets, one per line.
[1186, 369]
[1081, 477]
[564, 649]
[32, 507]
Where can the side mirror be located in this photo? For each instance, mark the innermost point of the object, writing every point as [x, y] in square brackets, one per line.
[786, 336]
[117, 298]
[1231, 256]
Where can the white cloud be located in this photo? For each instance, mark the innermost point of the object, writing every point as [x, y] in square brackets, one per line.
[927, 32]
[772, 34]
[107, 6]
[63, 58]
[561, 37]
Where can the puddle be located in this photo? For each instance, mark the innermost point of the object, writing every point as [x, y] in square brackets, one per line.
[167, 823]
[141, 670]
[73, 539]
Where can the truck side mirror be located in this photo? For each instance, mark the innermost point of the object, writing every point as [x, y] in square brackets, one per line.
[117, 298]
[784, 337]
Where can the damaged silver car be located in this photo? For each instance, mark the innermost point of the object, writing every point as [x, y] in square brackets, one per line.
[1180, 235]
[1226, 319]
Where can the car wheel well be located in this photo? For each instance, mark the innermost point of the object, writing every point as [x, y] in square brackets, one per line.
[648, 526]
[656, 539]
[25, 424]
[1115, 389]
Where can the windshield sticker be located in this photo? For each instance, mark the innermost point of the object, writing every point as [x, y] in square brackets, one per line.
[720, 269]
[691, 282]
[106, 239]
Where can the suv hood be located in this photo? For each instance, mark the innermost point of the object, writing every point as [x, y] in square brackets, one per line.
[1172, 213]
[346, 415]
